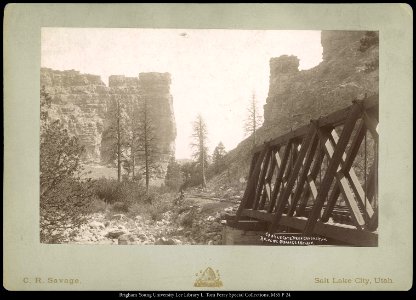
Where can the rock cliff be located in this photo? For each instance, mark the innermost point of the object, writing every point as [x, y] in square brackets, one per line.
[83, 101]
[349, 70]
[80, 102]
[155, 87]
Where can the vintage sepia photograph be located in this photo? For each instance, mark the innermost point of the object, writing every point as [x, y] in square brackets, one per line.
[182, 147]
[209, 137]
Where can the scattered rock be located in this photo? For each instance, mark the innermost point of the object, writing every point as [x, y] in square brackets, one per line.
[115, 234]
[96, 224]
[138, 218]
[228, 209]
[123, 240]
[118, 216]
[163, 241]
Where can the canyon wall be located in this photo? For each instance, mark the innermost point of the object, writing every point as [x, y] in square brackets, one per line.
[84, 103]
[80, 102]
[155, 87]
[349, 70]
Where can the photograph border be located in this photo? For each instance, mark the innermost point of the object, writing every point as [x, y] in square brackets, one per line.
[30, 265]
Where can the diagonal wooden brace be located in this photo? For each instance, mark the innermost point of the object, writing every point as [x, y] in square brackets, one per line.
[332, 168]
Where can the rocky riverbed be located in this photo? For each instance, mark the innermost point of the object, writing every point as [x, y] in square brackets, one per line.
[196, 223]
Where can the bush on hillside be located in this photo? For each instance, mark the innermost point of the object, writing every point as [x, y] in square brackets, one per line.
[128, 192]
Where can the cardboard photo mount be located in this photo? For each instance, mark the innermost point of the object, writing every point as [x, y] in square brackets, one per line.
[30, 265]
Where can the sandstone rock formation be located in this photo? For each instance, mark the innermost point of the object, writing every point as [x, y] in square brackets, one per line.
[80, 102]
[83, 101]
[155, 87]
[349, 70]
[345, 74]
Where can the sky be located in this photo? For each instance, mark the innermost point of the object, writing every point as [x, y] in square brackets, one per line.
[214, 72]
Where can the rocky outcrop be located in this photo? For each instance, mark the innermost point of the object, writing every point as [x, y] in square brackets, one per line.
[127, 90]
[80, 102]
[83, 102]
[346, 73]
[349, 70]
[155, 88]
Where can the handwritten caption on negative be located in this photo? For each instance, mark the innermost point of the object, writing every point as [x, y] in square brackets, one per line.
[292, 239]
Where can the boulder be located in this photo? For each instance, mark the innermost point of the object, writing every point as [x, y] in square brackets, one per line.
[114, 234]
[164, 241]
[96, 224]
[118, 216]
[123, 239]
[210, 219]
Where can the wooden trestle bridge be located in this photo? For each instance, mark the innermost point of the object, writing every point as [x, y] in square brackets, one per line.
[320, 179]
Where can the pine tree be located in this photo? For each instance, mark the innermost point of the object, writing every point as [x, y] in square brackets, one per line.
[218, 158]
[173, 178]
[253, 120]
[133, 140]
[147, 147]
[200, 147]
[116, 134]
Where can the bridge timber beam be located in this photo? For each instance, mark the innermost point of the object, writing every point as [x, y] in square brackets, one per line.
[320, 179]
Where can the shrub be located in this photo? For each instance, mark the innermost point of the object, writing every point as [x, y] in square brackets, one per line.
[67, 203]
[135, 209]
[107, 190]
[128, 192]
[188, 219]
[155, 213]
[64, 197]
[120, 207]
[156, 209]
[97, 205]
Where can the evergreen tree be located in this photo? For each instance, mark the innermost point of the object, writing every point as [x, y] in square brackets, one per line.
[64, 195]
[133, 140]
[200, 147]
[115, 137]
[147, 147]
[253, 120]
[218, 158]
[173, 178]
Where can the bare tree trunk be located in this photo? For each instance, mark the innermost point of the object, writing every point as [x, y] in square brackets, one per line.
[133, 141]
[254, 122]
[146, 147]
[203, 172]
[132, 150]
[147, 166]
[118, 142]
[202, 158]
